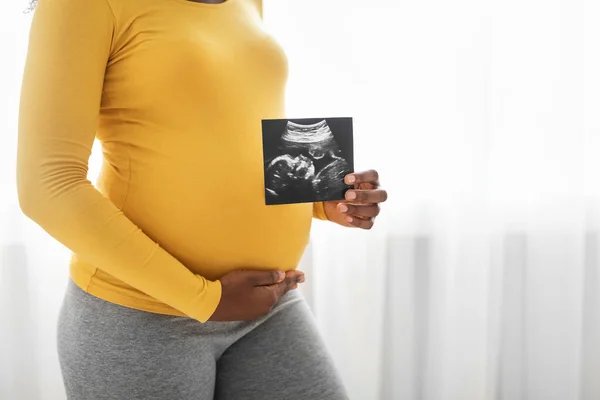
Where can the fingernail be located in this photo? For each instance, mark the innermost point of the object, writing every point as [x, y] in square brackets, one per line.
[350, 179]
[351, 195]
[349, 219]
[281, 275]
[343, 208]
[300, 279]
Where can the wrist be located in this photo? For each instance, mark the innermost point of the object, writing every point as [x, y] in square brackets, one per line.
[207, 300]
[319, 211]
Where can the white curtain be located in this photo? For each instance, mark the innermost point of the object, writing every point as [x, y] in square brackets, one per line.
[481, 279]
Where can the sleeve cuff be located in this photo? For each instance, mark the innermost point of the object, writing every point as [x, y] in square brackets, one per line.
[319, 211]
[208, 300]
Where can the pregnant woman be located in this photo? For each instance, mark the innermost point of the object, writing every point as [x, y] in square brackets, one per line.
[181, 278]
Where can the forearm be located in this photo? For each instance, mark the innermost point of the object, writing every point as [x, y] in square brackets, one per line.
[69, 48]
[86, 222]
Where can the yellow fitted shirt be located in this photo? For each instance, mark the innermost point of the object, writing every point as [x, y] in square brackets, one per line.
[175, 91]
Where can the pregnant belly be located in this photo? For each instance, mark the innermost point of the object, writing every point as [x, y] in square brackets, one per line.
[219, 227]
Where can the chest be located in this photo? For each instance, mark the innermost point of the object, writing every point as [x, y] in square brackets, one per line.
[187, 54]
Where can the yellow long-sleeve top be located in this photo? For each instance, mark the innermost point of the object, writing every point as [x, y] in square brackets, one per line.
[175, 91]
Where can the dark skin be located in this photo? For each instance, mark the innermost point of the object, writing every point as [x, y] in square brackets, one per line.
[362, 203]
[250, 294]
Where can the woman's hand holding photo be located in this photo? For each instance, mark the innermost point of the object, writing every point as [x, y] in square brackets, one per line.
[362, 203]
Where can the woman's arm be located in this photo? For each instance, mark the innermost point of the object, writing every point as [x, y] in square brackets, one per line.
[319, 211]
[70, 44]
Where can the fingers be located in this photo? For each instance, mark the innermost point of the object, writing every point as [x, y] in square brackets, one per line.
[371, 176]
[366, 196]
[360, 222]
[291, 281]
[362, 211]
[366, 188]
[279, 289]
[296, 276]
[265, 278]
[358, 215]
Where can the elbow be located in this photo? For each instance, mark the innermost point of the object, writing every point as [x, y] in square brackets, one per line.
[32, 192]
[42, 192]
[45, 176]
[29, 185]
[29, 192]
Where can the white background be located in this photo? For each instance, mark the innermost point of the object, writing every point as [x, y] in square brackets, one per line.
[482, 278]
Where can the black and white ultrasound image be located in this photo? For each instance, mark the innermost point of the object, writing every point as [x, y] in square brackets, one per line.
[306, 160]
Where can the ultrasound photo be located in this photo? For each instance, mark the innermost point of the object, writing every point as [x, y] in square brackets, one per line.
[306, 160]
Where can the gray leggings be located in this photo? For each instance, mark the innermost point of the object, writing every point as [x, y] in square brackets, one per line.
[111, 352]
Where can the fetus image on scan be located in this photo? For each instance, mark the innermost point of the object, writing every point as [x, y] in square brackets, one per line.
[306, 162]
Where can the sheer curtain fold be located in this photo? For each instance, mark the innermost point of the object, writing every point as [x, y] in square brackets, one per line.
[483, 120]
[481, 278]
